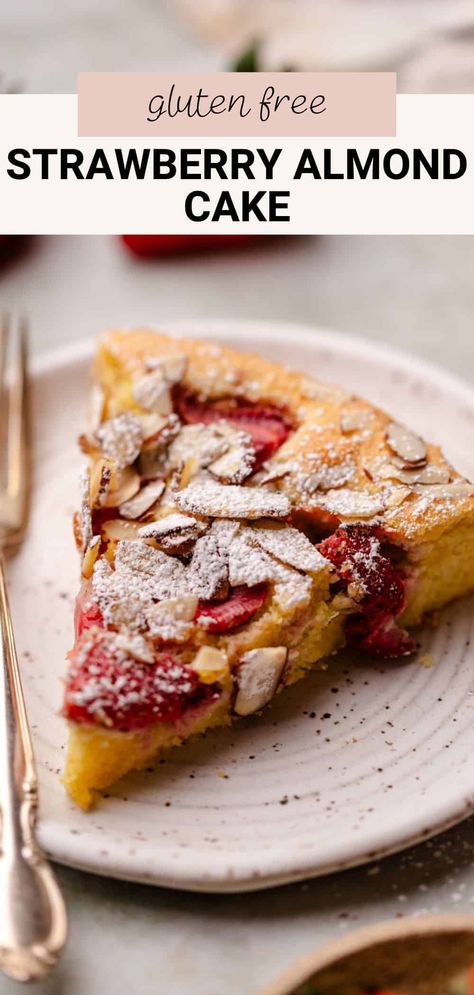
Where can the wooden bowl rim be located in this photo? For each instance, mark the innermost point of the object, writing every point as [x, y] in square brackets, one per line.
[303, 970]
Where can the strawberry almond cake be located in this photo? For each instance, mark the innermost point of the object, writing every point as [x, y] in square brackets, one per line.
[239, 522]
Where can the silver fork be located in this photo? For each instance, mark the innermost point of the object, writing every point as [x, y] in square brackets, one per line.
[33, 924]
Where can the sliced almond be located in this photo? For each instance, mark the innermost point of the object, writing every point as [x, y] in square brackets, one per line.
[90, 556]
[89, 444]
[173, 368]
[430, 473]
[142, 502]
[186, 472]
[126, 485]
[234, 466]
[121, 438]
[211, 665]
[291, 547]
[354, 419]
[174, 534]
[327, 478]
[208, 497]
[102, 479]
[86, 517]
[459, 490]
[395, 496]
[249, 564]
[347, 503]
[207, 575]
[406, 444]
[151, 464]
[152, 392]
[258, 677]
[118, 528]
[273, 472]
[203, 443]
[153, 424]
[172, 619]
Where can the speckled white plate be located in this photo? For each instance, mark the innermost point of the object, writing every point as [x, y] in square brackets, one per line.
[350, 764]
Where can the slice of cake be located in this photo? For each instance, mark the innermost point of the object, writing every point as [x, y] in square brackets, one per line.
[239, 522]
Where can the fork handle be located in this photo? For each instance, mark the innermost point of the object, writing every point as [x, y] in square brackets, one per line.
[32, 913]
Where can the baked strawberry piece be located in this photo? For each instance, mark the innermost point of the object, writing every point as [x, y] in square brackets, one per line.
[121, 683]
[367, 568]
[238, 522]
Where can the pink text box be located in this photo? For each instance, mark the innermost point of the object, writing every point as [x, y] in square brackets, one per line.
[237, 104]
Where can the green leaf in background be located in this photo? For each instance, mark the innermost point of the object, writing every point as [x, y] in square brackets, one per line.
[248, 61]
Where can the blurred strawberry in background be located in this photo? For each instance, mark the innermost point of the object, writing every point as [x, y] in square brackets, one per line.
[172, 245]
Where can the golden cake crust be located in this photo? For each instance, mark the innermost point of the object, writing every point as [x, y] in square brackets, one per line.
[340, 439]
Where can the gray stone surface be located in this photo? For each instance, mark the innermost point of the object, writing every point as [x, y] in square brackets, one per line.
[416, 293]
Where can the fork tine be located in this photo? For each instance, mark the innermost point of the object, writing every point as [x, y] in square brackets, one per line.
[17, 419]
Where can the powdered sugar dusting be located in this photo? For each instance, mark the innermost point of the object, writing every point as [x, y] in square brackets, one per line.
[351, 504]
[206, 497]
[292, 547]
[121, 438]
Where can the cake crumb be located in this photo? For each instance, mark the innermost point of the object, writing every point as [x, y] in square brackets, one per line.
[426, 660]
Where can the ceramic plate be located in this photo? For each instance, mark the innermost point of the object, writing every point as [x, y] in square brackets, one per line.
[352, 763]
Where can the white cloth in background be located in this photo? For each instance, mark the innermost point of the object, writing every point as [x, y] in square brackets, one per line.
[429, 42]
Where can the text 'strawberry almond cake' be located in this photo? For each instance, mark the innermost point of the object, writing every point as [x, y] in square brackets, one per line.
[239, 522]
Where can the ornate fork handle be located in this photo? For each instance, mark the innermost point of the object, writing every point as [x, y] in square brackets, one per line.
[33, 921]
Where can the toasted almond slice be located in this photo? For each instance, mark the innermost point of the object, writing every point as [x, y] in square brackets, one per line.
[272, 472]
[354, 419]
[330, 477]
[347, 503]
[151, 464]
[234, 466]
[153, 424]
[118, 528]
[134, 645]
[186, 472]
[459, 490]
[291, 547]
[173, 368]
[102, 479]
[174, 534]
[204, 443]
[395, 496]
[249, 564]
[90, 557]
[86, 517]
[430, 473]
[207, 575]
[211, 665]
[143, 501]
[172, 619]
[89, 444]
[405, 443]
[121, 438]
[126, 486]
[207, 497]
[152, 393]
[258, 677]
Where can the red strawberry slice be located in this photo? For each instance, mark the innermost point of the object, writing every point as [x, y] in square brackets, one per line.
[240, 607]
[107, 687]
[384, 638]
[171, 245]
[87, 612]
[361, 559]
[266, 424]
